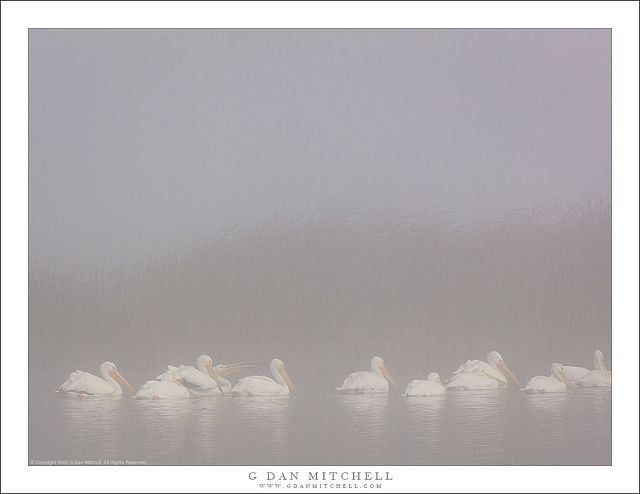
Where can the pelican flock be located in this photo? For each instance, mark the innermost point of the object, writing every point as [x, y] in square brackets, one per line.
[205, 378]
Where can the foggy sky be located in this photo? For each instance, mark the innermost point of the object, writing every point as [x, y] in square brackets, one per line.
[142, 140]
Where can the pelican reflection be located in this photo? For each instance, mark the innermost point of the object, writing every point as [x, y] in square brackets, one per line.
[262, 424]
[165, 427]
[366, 422]
[478, 420]
[425, 416]
[92, 425]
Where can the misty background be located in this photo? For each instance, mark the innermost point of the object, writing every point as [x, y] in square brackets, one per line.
[320, 196]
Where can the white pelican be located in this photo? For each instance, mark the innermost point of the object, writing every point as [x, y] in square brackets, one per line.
[374, 381]
[432, 386]
[476, 374]
[557, 382]
[205, 378]
[576, 373]
[166, 387]
[81, 382]
[263, 385]
[598, 378]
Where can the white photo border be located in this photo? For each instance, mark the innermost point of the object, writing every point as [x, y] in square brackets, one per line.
[18, 17]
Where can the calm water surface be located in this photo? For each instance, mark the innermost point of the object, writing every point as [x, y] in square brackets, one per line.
[317, 426]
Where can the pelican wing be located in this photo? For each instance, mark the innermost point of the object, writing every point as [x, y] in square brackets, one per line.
[176, 372]
[257, 385]
[424, 388]
[85, 383]
[171, 371]
[596, 379]
[192, 376]
[473, 380]
[575, 373]
[544, 384]
[161, 389]
[535, 384]
[189, 376]
[413, 388]
[478, 367]
[473, 366]
[364, 381]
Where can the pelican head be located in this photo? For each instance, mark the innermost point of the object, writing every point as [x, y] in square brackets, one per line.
[557, 371]
[203, 362]
[110, 373]
[205, 365]
[218, 374]
[277, 369]
[598, 361]
[495, 360]
[377, 366]
[435, 377]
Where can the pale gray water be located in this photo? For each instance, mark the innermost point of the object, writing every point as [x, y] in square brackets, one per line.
[316, 426]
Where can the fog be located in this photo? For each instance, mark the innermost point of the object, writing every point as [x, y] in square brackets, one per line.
[320, 196]
[144, 140]
[327, 293]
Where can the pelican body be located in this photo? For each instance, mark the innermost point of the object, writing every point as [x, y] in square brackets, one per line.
[205, 378]
[280, 385]
[596, 379]
[431, 387]
[476, 374]
[166, 387]
[599, 377]
[84, 383]
[557, 382]
[374, 381]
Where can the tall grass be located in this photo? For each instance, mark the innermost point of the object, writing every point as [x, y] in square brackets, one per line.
[425, 291]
